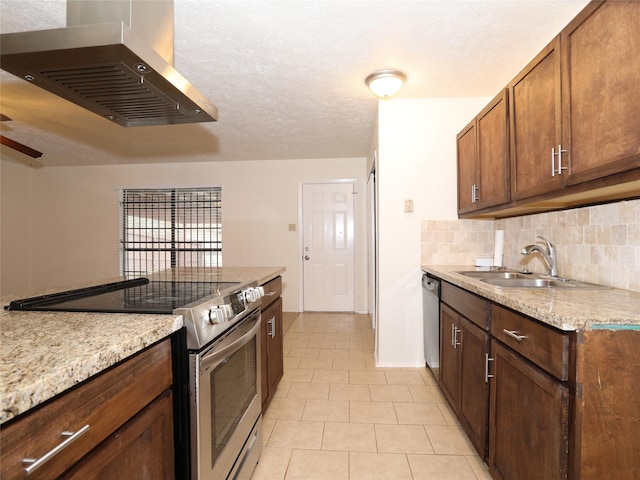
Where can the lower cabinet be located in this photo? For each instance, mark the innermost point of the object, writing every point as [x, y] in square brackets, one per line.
[121, 422]
[272, 333]
[272, 336]
[464, 349]
[529, 420]
[537, 402]
[142, 448]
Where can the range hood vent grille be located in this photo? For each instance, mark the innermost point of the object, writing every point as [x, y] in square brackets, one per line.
[124, 97]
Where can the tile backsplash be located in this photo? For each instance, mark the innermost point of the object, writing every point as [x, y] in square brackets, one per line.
[456, 242]
[598, 244]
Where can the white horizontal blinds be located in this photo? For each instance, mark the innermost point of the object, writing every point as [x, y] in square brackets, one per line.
[169, 228]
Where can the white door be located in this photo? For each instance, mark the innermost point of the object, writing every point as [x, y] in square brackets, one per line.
[328, 247]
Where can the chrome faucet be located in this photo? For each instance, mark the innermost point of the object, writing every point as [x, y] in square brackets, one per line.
[549, 255]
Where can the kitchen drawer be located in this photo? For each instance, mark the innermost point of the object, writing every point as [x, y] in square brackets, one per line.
[467, 304]
[272, 290]
[543, 345]
[103, 403]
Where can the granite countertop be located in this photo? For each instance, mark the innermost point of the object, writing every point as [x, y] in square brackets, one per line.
[221, 274]
[566, 309]
[42, 354]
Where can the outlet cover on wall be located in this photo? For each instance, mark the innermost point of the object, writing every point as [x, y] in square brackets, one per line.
[292, 227]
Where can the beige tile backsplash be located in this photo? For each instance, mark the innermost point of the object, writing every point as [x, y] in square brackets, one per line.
[595, 244]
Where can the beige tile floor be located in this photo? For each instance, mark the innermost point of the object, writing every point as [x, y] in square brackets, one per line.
[336, 416]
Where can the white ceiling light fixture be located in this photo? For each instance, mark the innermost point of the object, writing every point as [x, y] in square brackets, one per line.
[385, 83]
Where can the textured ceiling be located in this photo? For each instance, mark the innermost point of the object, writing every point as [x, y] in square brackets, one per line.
[287, 76]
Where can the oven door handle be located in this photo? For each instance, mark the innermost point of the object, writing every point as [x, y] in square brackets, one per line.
[230, 345]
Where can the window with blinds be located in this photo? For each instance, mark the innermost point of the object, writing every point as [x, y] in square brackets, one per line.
[169, 228]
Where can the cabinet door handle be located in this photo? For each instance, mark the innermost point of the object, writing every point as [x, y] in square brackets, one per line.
[272, 322]
[474, 193]
[560, 168]
[454, 336]
[35, 463]
[487, 359]
[514, 334]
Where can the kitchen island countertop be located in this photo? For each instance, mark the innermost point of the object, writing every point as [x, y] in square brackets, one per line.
[42, 354]
[563, 308]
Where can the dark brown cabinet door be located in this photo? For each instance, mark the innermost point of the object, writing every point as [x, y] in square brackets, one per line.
[601, 91]
[264, 360]
[535, 124]
[142, 448]
[275, 344]
[272, 349]
[463, 350]
[528, 420]
[466, 141]
[474, 389]
[493, 153]
[483, 158]
[449, 358]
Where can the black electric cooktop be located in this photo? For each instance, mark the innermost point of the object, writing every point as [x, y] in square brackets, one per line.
[129, 296]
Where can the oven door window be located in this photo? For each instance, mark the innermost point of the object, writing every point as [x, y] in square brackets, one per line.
[233, 386]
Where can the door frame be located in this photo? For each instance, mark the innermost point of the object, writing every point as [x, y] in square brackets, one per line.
[332, 181]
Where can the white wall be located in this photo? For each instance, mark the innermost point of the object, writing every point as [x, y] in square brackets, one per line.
[417, 161]
[60, 226]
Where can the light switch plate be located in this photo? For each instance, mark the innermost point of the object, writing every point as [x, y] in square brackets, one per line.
[292, 227]
[408, 206]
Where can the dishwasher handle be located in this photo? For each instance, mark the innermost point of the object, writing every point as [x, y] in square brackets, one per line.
[431, 284]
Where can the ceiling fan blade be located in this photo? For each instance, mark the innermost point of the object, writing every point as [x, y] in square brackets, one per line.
[4, 118]
[20, 147]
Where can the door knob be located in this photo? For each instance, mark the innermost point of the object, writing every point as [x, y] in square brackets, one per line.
[306, 257]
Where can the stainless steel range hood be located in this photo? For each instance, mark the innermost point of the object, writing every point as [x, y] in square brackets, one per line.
[115, 59]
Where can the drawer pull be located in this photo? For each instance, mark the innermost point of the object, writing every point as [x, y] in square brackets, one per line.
[35, 463]
[269, 294]
[514, 334]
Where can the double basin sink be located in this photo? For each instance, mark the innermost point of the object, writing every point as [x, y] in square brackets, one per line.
[514, 279]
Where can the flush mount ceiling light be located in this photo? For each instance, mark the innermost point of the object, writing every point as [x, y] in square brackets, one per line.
[385, 83]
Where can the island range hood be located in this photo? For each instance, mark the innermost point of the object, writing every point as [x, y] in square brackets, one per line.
[114, 58]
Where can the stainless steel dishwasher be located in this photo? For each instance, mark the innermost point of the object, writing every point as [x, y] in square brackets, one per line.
[431, 317]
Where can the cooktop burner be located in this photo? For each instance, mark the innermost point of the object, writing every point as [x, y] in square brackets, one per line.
[130, 296]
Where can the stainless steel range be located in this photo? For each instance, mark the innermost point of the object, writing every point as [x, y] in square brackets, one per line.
[222, 384]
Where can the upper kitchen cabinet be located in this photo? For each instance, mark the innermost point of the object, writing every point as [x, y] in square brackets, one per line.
[536, 126]
[483, 158]
[466, 142]
[573, 123]
[601, 92]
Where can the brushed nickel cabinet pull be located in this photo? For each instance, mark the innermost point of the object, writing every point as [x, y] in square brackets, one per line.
[514, 334]
[272, 322]
[35, 463]
[487, 359]
[559, 153]
[560, 167]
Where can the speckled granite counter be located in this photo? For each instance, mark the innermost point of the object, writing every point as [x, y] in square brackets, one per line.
[43, 354]
[566, 309]
[222, 274]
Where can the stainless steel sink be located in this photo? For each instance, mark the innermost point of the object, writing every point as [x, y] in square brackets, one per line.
[493, 274]
[513, 279]
[538, 282]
